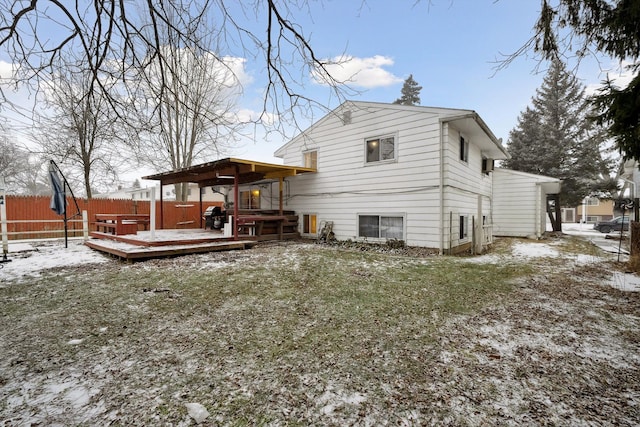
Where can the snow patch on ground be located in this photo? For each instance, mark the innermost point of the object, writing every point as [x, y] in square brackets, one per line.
[625, 282]
[32, 260]
[534, 250]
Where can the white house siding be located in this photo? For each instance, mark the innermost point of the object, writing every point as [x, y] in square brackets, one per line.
[520, 203]
[345, 186]
[464, 183]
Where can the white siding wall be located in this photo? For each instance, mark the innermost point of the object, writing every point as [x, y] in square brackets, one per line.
[345, 186]
[519, 204]
[464, 182]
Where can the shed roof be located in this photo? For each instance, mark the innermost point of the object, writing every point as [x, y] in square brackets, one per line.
[222, 172]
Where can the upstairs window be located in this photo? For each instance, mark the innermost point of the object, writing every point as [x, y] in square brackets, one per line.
[310, 159]
[487, 166]
[464, 149]
[380, 149]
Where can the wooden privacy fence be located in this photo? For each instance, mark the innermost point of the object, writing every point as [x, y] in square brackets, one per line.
[31, 217]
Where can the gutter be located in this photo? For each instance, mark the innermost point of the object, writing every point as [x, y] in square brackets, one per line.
[476, 118]
[538, 212]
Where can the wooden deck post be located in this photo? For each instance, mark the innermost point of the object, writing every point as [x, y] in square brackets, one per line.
[200, 205]
[161, 206]
[281, 210]
[236, 201]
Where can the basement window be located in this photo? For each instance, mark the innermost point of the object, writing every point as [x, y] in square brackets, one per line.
[381, 227]
[309, 224]
[464, 227]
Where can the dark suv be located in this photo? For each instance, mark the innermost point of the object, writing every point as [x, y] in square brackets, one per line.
[613, 225]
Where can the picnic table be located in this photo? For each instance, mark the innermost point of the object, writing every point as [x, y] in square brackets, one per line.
[120, 224]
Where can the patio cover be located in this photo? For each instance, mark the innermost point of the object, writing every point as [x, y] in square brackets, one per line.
[221, 172]
[227, 172]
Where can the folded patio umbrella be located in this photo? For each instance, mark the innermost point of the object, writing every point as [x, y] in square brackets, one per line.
[58, 199]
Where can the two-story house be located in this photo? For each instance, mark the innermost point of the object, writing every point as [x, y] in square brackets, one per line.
[387, 171]
[379, 172]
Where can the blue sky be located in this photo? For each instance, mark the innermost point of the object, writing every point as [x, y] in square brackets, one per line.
[450, 46]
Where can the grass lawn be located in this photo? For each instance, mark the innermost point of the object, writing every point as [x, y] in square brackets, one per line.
[283, 334]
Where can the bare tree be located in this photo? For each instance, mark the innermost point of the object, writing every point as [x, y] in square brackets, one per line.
[78, 129]
[123, 33]
[188, 97]
[21, 170]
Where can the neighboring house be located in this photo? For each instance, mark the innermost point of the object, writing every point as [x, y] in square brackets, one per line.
[169, 194]
[595, 210]
[387, 171]
[520, 202]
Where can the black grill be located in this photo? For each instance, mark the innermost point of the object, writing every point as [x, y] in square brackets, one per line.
[214, 218]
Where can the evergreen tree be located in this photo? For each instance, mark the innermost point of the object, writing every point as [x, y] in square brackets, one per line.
[555, 137]
[604, 26]
[410, 92]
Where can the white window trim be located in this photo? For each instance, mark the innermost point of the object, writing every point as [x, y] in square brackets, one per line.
[382, 136]
[466, 227]
[467, 148]
[378, 214]
[311, 150]
[303, 214]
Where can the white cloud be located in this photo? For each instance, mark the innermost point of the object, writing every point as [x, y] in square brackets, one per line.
[246, 115]
[7, 71]
[619, 73]
[362, 72]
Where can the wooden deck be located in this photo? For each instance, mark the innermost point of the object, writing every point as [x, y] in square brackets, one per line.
[164, 243]
[120, 235]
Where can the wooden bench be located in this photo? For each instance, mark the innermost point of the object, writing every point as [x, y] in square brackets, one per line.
[120, 224]
[253, 225]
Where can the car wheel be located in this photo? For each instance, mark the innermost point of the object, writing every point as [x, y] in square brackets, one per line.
[605, 230]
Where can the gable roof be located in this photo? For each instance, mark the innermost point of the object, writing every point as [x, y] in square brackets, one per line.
[468, 120]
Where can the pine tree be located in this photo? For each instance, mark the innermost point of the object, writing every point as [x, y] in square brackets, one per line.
[555, 137]
[410, 92]
[579, 27]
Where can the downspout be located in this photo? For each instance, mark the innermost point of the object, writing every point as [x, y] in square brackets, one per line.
[538, 212]
[441, 189]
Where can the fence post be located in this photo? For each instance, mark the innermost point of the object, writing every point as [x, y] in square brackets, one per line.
[3, 219]
[85, 225]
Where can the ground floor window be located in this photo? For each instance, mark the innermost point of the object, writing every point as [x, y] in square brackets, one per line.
[309, 224]
[464, 227]
[250, 199]
[381, 227]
